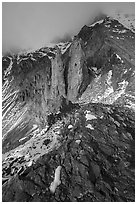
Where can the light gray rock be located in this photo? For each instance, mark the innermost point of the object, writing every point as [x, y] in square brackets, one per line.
[75, 73]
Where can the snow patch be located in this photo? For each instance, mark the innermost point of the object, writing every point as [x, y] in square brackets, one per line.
[78, 141]
[109, 76]
[70, 126]
[99, 22]
[29, 163]
[44, 130]
[125, 71]
[108, 91]
[27, 156]
[90, 127]
[107, 25]
[34, 148]
[95, 69]
[130, 105]
[7, 72]
[22, 59]
[22, 139]
[63, 47]
[35, 126]
[90, 116]
[121, 90]
[119, 58]
[56, 181]
[123, 31]
[123, 83]
[33, 59]
[119, 31]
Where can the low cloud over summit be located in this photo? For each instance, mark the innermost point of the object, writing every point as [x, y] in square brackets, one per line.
[32, 25]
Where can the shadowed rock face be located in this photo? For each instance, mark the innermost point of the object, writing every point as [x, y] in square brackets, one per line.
[68, 119]
[95, 149]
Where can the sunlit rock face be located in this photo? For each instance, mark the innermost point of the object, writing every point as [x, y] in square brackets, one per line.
[68, 118]
[77, 71]
[57, 88]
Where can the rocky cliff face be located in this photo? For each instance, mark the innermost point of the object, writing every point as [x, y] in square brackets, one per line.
[46, 94]
[86, 156]
[77, 70]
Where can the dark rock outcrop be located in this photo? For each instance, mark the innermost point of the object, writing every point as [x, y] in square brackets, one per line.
[96, 155]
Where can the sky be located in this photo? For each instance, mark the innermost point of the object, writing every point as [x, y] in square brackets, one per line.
[31, 25]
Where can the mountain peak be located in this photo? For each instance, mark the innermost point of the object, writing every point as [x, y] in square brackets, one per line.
[127, 20]
[68, 118]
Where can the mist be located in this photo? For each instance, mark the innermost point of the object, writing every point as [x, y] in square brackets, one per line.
[33, 25]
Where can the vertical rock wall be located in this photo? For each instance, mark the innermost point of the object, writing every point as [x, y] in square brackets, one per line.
[75, 70]
[57, 89]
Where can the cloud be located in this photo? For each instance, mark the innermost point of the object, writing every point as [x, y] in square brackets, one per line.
[32, 25]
